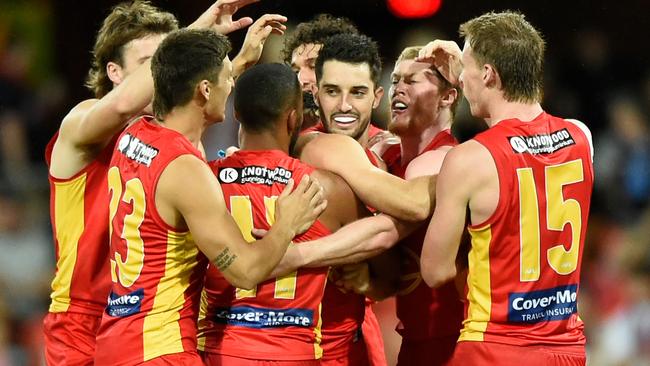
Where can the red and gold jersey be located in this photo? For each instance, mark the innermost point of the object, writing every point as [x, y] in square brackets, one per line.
[524, 263]
[156, 270]
[423, 312]
[281, 318]
[79, 213]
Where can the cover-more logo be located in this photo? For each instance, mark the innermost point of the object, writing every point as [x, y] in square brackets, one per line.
[252, 317]
[125, 305]
[557, 303]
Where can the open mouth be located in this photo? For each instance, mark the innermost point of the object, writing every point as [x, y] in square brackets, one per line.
[398, 106]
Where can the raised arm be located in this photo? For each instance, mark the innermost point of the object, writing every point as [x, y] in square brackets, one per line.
[202, 208]
[407, 200]
[256, 36]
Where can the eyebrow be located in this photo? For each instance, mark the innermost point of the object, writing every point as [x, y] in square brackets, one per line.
[143, 59]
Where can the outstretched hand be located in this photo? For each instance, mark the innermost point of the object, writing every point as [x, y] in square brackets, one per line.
[445, 56]
[219, 16]
[256, 36]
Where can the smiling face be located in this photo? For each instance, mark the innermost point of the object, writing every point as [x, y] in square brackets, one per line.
[346, 96]
[415, 92]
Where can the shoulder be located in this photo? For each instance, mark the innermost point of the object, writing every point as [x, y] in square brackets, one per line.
[428, 163]
[469, 159]
[74, 117]
[583, 127]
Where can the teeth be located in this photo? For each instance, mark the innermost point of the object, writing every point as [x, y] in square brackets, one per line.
[345, 119]
[399, 105]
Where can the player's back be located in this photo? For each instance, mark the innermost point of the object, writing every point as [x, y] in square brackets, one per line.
[156, 269]
[280, 319]
[524, 264]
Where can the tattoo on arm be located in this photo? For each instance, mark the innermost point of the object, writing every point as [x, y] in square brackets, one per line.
[224, 259]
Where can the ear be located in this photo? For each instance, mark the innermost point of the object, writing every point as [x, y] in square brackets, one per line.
[204, 88]
[114, 72]
[379, 93]
[491, 76]
[292, 121]
[449, 97]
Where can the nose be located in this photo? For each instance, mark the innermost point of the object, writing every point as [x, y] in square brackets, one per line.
[307, 78]
[344, 103]
[398, 88]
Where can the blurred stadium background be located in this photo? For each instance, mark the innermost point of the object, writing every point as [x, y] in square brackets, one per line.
[597, 70]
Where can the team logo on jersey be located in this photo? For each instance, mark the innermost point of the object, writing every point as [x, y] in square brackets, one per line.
[137, 150]
[542, 144]
[125, 305]
[545, 305]
[255, 174]
[247, 316]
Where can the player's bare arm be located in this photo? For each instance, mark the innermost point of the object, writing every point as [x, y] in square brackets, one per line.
[407, 200]
[202, 209]
[256, 36]
[455, 192]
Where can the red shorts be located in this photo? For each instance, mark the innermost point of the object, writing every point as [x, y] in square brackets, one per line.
[430, 352]
[176, 359]
[214, 359]
[373, 338]
[488, 354]
[70, 338]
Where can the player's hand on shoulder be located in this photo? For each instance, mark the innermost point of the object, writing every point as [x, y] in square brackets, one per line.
[219, 17]
[445, 56]
[300, 207]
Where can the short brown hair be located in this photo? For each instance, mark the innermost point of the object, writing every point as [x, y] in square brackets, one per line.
[410, 53]
[316, 31]
[514, 48]
[174, 78]
[126, 22]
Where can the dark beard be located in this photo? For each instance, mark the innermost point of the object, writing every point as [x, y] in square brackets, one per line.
[308, 101]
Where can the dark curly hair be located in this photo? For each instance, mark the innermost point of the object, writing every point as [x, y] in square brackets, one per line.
[353, 49]
[321, 27]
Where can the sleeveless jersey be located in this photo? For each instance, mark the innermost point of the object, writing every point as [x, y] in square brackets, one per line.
[524, 263]
[156, 270]
[79, 215]
[281, 318]
[423, 312]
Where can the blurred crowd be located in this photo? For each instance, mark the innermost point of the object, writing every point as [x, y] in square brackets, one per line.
[584, 80]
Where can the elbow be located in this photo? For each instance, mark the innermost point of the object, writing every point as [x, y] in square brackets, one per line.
[436, 277]
[246, 281]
